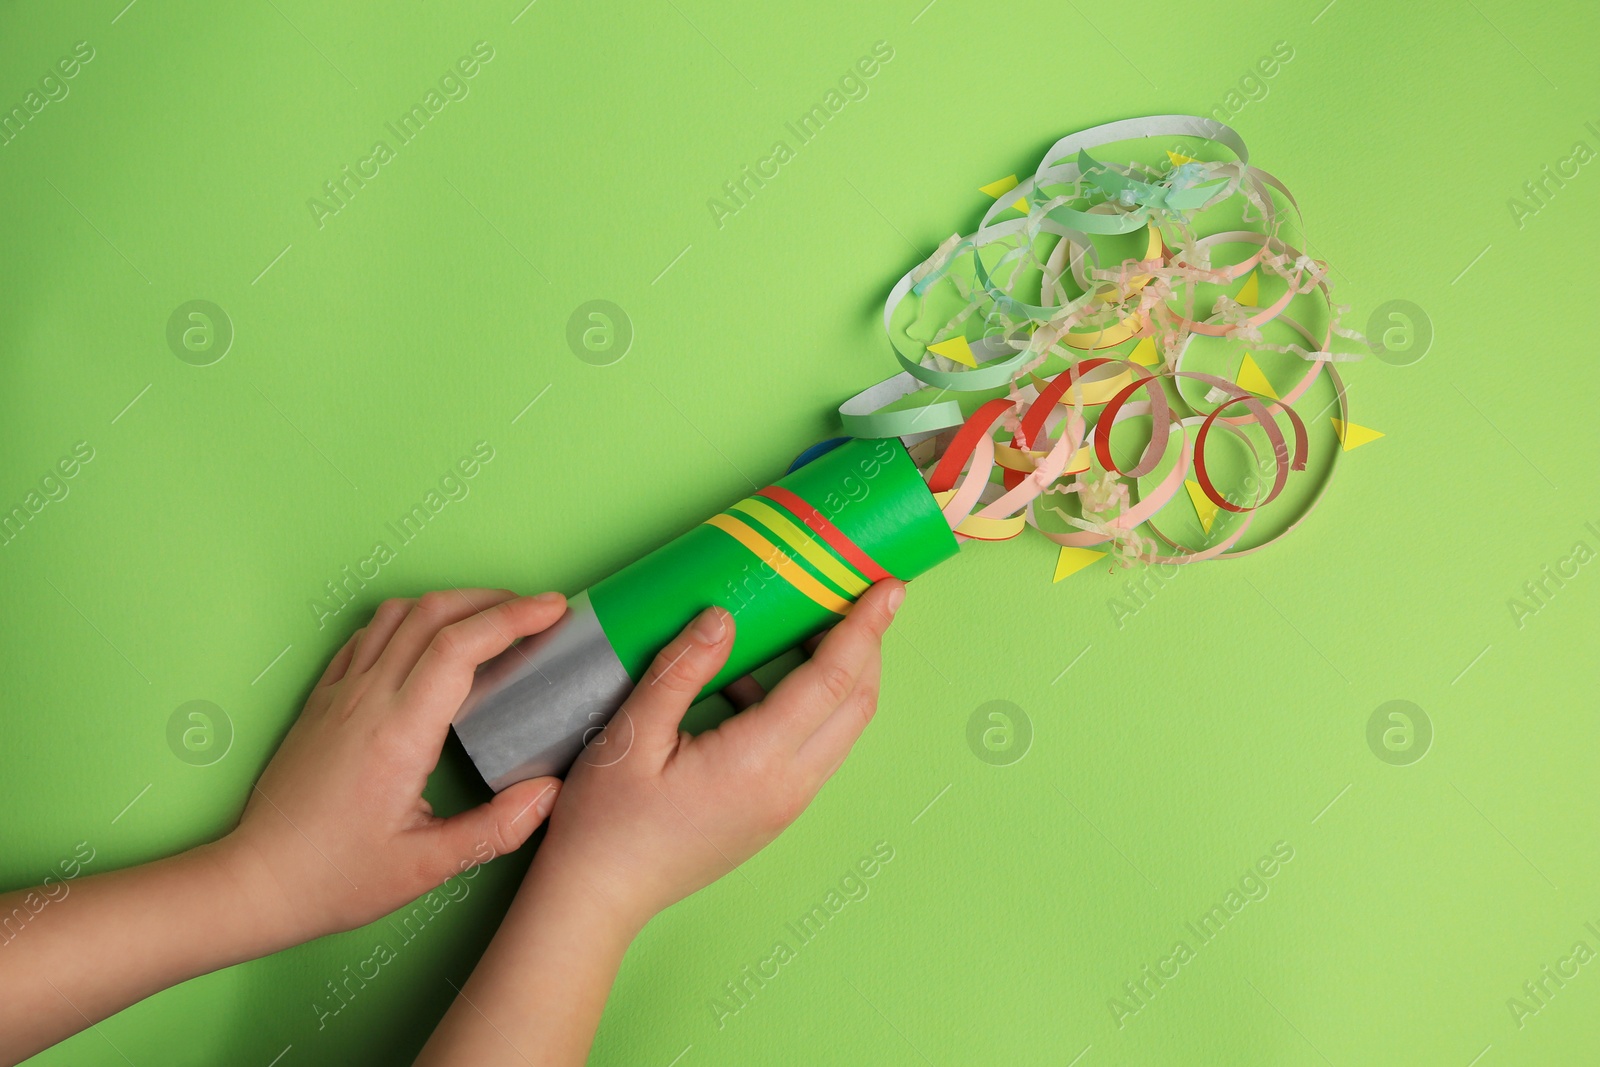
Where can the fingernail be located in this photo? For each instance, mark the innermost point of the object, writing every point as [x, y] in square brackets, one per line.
[546, 801]
[546, 598]
[709, 627]
[897, 597]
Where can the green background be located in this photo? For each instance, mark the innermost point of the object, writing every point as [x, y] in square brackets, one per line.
[1166, 755]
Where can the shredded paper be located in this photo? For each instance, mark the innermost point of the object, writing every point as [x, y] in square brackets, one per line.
[1118, 335]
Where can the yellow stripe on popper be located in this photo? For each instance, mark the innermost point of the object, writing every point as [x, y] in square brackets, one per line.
[956, 348]
[1070, 561]
[1253, 380]
[1179, 159]
[1250, 291]
[1203, 506]
[852, 584]
[1000, 187]
[774, 557]
[1353, 436]
[1144, 353]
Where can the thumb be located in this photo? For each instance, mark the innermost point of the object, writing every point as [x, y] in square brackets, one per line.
[500, 826]
[657, 705]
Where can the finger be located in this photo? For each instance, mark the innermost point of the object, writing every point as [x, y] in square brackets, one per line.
[744, 692]
[340, 661]
[496, 828]
[676, 677]
[804, 700]
[385, 621]
[823, 752]
[430, 614]
[444, 671]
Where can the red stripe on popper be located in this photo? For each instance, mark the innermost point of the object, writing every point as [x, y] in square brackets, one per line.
[826, 530]
[781, 562]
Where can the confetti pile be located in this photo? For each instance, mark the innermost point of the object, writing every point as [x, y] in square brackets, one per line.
[1041, 388]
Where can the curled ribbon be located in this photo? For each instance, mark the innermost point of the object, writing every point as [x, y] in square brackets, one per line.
[1055, 430]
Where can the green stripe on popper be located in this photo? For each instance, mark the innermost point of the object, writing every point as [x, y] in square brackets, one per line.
[869, 489]
[771, 520]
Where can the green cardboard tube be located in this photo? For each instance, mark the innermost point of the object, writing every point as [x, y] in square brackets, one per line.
[870, 490]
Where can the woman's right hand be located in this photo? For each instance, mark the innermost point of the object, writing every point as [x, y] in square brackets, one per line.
[649, 814]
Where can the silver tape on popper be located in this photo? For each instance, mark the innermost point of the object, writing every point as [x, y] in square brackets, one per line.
[533, 707]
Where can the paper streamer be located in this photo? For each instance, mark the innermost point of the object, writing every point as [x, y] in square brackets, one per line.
[1027, 288]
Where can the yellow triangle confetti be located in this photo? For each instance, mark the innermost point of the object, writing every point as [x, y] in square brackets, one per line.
[1145, 354]
[1178, 158]
[955, 348]
[1250, 291]
[1204, 507]
[1072, 560]
[1000, 188]
[1352, 435]
[1251, 378]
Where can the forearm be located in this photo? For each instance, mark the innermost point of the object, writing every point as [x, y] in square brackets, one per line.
[114, 939]
[537, 994]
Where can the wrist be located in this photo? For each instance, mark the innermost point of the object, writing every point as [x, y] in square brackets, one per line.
[246, 876]
[557, 892]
